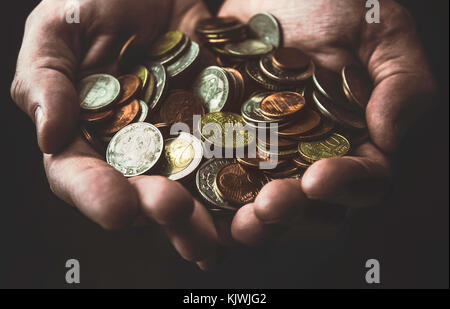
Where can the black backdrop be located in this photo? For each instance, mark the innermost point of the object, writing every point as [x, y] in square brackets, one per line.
[408, 233]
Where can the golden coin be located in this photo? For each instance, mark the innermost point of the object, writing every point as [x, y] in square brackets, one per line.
[148, 91]
[282, 104]
[123, 116]
[334, 146]
[166, 43]
[305, 122]
[181, 106]
[141, 72]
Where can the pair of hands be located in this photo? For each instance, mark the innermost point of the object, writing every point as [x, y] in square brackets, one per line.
[334, 33]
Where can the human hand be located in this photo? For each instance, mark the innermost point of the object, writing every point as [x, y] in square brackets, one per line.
[53, 56]
[335, 34]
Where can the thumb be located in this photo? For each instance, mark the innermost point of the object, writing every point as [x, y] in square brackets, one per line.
[42, 85]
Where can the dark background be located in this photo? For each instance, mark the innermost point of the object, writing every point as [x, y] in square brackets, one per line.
[408, 233]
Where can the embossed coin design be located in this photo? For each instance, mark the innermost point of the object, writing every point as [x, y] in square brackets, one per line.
[335, 145]
[212, 87]
[98, 92]
[266, 27]
[282, 104]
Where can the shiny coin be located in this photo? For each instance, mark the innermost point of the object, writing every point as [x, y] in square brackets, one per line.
[225, 130]
[144, 111]
[161, 83]
[266, 28]
[181, 106]
[282, 104]
[97, 92]
[284, 76]
[337, 113]
[326, 128]
[184, 62]
[185, 44]
[256, 162]
[333, 146]
[182, 156]
[123, 116]
[96, 117]
[213, 88]
[290, 58]
[238, 185]
[166, 43]
[205, 181]
[141, 72]
[150, 89]
[301, 163]
[135, 149]
[329, 84]
[130, 85]
[305, 122]
[248, 48]
[251, 109]
[129, 53]
[357, 85]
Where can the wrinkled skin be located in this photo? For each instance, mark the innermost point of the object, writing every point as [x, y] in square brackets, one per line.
[333, 32]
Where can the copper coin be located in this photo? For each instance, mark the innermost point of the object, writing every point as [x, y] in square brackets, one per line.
[181, 106]
[357, 85]
[211, 25]
[238, 185]
[305, 122]
[96, 117]
[283, 143]
[128, 53]
[255, 162]
[290, 58]
[282, 104]
[326, 128]
[124, 115]
[130, 85]
[283, 172]
[301, 163]
[328, 83]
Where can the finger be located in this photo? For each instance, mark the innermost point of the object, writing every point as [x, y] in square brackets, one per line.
[246, 228]
[187, 223]
[42, 86]
[404, 83]
[359, 181]
[79, 176]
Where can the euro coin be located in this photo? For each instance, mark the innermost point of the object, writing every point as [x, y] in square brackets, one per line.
[213, 88]
[98, 92]
[335, 145]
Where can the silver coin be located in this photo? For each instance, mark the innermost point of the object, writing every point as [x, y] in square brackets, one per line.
[183, 155]
[254, 72]
[144, 111]
[135, 149]
[283, 76]
[185, 44]
[251, 109]
[183, 63]
[266, 28]
[205, 179]
[98, 91]
[159, 72]
[213, 88]
[248, 48]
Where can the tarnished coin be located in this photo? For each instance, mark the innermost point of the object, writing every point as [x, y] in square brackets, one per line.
[135, 149]
[150, 89]
[357, 85]
[282, 172]
[304, 123]
[238, 185]
[328, 83]
[96, 117]
[166, 43]
[183, 155]
[256, 162]
[184, 62]
[266, 28]
[123, 116]
[278, 153]
[253, 70]
[338, 114]
[251, 109]
[282, 104]
[98, 92]
[213, 88]
[175, 54]
[248, 48]
[159, 72]
[333, 146]
[144, 111]
[291, 58]
[181, 106]
[301, 163]
[216, 24]
[225, 130]
[141, 72]
[129, 53]
[130, 85]
[284, 76]
[205, 181]
[326, 128]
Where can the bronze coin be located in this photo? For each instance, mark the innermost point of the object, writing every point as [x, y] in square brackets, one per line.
[181, 106]
[301, 163]
[326, 128]
[282, 104]
[255, 162]
[357, 85]
[129, 85]
[128, 53]
[238, 185]
[283, 143]
[283, 171]
[214, 24]
[123, 116]
[290, 58]
[305, 122]
[328, 83]
[96, 117]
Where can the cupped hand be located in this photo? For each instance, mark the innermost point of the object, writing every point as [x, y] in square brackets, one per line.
[335, 33]
[53, 56]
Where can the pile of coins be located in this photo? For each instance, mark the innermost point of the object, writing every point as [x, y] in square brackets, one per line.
[277, 101]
